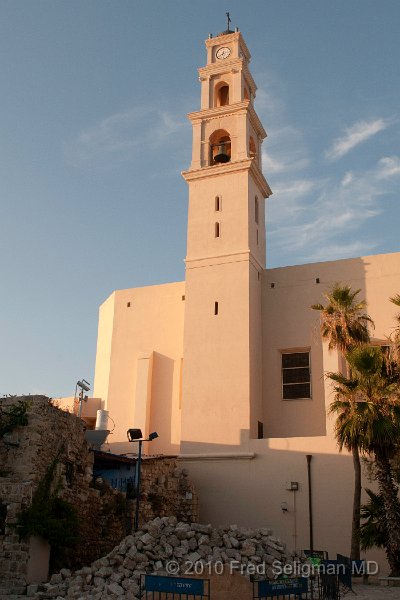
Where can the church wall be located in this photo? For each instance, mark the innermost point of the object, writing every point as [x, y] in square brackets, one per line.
[216, 355]
[290, 324]
[148, 322]
[233, 215]
[249, 486]
[104, 343]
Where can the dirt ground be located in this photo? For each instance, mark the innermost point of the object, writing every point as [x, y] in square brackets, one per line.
[374, 592]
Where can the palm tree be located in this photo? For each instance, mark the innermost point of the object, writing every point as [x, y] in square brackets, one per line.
[373, 532]
[395, 337]
[344, 324]
[367, 405]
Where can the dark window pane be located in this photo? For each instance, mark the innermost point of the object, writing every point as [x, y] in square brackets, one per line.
[295, 359]
[296, 375]
[298, 390]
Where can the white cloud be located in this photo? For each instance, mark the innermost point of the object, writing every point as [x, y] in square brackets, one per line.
[355, 135]
[347, 179]
[323, 223]
[284, 151]
[389, 166]
[335, 251]
[120, 134]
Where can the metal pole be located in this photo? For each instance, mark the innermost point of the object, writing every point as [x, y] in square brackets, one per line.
[310, 512]
[310, 516]
[138, 471]
[80, 404]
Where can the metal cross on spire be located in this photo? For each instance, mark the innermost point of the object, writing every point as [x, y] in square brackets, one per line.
[229, 20]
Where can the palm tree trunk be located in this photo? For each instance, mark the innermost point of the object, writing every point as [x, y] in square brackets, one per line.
[392, 508]
[355, 525]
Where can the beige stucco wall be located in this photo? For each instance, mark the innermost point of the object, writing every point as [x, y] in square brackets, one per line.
[151, 326]
[251, 490]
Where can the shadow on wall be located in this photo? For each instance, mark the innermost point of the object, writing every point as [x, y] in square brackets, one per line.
[248, 485]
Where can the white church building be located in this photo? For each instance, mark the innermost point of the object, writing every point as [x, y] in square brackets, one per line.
[228, 366]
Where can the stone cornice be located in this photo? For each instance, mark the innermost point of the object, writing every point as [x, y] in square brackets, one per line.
[248, 164]
[232, 257]
[230, 109]
[218, 111]
[231, 65]
[260, 179]
[218, 68]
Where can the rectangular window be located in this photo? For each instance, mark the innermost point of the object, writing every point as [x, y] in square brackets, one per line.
[217, 203]
[217, 230]
[216, 308]
[256, 209]
[296, 375]
[260, 430]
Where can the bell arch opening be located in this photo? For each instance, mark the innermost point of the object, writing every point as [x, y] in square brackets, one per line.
[221, 94]
[220, 147]
[252, 148]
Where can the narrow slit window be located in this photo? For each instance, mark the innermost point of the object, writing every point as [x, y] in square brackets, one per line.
[260, 430]
[217, 230]
[257, 237]
[216, 307]
[296, 375]
[256, 209]
[217, 203]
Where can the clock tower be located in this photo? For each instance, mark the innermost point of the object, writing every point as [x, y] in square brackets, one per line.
[222, 367]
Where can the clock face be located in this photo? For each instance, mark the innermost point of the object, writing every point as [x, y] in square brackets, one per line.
[223, 52]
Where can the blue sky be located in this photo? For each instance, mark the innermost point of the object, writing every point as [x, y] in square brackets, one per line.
[93, 137]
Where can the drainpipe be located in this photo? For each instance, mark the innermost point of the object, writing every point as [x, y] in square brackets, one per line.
[310, 513]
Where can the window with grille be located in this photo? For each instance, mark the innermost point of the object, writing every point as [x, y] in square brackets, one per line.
[296, 375]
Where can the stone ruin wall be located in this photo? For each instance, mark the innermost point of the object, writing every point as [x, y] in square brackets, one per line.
[105, 515]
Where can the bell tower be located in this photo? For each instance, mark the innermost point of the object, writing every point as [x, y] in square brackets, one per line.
[222, 365]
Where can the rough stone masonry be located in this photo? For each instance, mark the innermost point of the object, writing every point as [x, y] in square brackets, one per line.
[25, 455]
[161, 546]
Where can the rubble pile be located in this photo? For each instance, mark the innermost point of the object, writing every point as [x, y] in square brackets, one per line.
[165, 547]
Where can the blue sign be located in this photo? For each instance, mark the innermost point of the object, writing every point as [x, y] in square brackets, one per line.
[282, 587]
[174, 585]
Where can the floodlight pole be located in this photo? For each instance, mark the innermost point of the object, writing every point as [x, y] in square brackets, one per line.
[138, 474]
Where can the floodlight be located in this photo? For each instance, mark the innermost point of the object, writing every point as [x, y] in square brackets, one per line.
[84, 385]
[153, 436]
[134, 434]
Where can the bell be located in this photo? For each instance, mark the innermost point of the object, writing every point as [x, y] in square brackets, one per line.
[221, 155]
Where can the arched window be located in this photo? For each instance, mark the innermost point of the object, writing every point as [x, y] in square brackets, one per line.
[221, 94]
[252, 148]
[220, 147]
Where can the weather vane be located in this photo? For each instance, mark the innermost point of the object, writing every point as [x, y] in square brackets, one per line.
[229, 20]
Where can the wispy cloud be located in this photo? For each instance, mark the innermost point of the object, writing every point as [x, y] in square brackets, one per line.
[317, 211]
[388, 167]
[347, 179]
[118, 135]
[345, 250]
[334, 209]
[355, 135]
